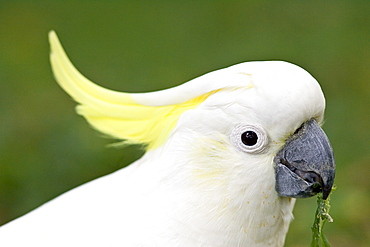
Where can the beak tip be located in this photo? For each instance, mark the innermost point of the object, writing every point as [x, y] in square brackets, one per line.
[326, 190]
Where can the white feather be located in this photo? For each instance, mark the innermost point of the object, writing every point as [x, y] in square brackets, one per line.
[198, 188]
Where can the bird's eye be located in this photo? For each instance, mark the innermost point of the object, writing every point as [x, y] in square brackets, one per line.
[249, 138]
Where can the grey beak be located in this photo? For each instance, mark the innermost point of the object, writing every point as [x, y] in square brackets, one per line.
[305, 165]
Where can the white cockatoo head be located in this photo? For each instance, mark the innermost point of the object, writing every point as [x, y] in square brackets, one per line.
[246, 136]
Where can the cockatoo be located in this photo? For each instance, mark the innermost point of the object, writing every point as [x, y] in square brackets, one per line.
[226, 155]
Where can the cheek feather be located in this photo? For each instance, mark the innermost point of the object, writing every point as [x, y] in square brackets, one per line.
[210, 161]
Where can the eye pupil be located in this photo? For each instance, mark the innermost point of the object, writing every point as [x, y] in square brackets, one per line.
[249, 138]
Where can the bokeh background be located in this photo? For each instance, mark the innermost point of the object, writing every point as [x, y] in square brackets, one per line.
[136, 46]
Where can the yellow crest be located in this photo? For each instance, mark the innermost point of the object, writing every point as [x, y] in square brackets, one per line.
[146, 118]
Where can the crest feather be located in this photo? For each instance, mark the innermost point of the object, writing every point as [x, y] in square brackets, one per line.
[141, 118]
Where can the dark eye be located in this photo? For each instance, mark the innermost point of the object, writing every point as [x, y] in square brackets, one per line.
[249, 138]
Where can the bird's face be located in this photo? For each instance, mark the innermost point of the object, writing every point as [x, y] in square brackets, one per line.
[224, 149]
[254, 120]
[270, 127]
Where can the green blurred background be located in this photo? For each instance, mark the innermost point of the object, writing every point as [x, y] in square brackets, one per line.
[136, 46]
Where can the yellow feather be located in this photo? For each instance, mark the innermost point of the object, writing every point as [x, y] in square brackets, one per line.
[116, 114]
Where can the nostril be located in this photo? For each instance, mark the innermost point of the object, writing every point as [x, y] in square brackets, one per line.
[298, 130]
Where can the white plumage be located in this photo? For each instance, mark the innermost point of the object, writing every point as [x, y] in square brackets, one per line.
[198, 183]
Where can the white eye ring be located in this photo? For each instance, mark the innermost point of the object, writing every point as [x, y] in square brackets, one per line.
[249, 138]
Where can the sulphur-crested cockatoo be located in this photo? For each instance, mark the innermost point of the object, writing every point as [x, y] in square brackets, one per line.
[227, 153]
